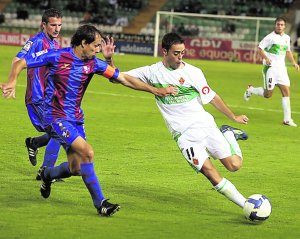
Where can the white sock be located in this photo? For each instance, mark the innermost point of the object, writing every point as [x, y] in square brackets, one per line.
[226, 188]
[287, 115]
[257, 91]
[235, 148]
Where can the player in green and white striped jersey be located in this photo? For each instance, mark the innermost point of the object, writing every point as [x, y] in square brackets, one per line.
[193, 128]
[273, 49]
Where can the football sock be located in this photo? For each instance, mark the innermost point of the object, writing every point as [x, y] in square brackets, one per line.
[257, 91]
[60, 171]
[287, 115]
[235, 148]
[226, 188]
[51, 153]
[92, 183]
[41, 141]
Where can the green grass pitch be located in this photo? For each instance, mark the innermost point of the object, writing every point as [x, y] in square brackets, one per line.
[140, 167]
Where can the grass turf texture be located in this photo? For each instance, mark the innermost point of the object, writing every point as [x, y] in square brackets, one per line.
[140, 167]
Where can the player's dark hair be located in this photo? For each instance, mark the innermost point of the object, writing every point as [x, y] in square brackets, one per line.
[278, 19]
[52, 12]
[170, 39]
[84, 32]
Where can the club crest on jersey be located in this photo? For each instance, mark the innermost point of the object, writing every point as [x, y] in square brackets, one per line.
[205, 90]
[86, 69]
[181, 81]
[27, 46]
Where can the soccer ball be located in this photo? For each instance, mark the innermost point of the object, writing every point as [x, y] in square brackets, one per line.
[257, 208]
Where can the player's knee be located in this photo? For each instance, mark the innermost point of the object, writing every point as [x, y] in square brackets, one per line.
[267, 95]
[88, 155]
[235, 165]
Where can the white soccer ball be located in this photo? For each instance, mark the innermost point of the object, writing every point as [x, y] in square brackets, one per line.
[257, 208]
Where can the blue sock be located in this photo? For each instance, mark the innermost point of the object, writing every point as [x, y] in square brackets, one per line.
[60, 171]
[51, 153]
[92, 183]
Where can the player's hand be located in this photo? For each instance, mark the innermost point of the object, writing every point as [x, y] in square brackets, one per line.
[170, 90]
[268, 61]
[8, 90]
[242, 119]
[108, 47]
[114, 81]
[296, 66]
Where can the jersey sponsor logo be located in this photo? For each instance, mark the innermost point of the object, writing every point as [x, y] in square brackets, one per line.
[27, 46]
[205, 90]
[66, 66]
[39, 53]
[181, 81]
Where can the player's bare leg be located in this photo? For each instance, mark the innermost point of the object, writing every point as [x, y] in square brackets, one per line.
[232, 163]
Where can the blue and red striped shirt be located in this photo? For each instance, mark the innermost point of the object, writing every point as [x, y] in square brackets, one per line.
[36, 77]
[67, 81]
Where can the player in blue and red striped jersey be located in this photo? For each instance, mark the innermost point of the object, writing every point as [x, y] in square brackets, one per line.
[36, 79]
[70, 71]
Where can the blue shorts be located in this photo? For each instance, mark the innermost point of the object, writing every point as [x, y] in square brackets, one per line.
[66, 131]
[35, 113]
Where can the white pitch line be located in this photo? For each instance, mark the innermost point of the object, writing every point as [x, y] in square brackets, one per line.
[260, 109]
[151, 98]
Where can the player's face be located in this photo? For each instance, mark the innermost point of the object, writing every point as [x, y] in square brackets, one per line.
[279, 27]
[173, 57]
[52, 28]
[90, 50]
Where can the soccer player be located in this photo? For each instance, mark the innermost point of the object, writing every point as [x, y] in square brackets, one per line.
[70, 71]
[193, 128]
[36, 79]
[273, 49]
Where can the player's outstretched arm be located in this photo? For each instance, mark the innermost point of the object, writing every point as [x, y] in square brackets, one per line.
[137, 84]
[220, 105]
[8, 88]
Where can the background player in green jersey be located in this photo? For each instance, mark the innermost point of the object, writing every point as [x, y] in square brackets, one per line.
[273, 49]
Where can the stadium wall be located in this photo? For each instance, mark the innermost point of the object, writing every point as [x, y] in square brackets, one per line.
[122, 46]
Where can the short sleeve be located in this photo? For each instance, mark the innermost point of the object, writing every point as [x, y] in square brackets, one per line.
[142, 73]
[201, 85]
[29, 48]
[288, 43]
[265, 42]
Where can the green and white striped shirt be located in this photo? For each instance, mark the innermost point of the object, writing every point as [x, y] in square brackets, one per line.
[185, 109]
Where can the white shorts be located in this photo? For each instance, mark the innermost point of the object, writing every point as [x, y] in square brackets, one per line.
[197, 151]
[275, 75]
